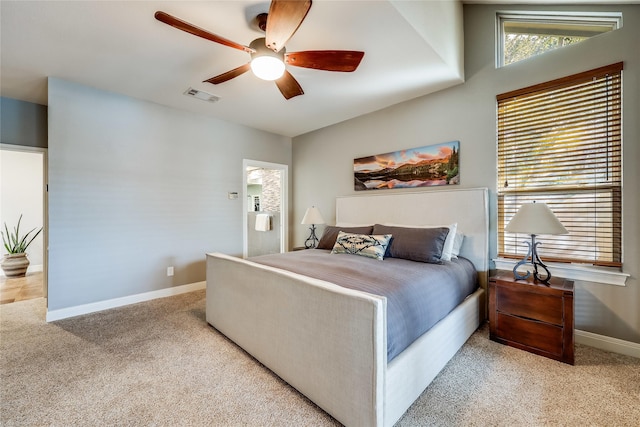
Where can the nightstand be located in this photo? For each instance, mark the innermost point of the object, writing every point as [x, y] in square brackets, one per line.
[298, 248]
[532, 316]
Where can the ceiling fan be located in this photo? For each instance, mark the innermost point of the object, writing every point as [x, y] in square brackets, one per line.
[268, 54]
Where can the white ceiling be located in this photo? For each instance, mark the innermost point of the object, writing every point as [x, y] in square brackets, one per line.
[120, 47]
[411, 49]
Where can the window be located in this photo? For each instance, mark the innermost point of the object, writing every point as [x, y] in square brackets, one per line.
[522, 35]
[560, 143]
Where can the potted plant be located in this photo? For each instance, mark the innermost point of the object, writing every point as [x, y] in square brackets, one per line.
[15, 262]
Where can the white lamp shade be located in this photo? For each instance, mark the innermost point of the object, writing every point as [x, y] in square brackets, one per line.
[535, 218]
[312, 216]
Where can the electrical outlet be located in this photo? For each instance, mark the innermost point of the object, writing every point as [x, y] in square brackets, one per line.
[169, 271]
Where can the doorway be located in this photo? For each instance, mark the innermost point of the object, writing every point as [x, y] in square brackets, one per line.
[23, 172]
[265, 207]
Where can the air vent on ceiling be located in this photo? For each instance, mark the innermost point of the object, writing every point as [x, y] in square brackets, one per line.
[201, 95]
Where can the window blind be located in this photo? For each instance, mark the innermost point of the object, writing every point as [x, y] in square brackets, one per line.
[560, 143]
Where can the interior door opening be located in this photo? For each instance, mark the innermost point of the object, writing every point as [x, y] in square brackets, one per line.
[23, 172]
[264, 208]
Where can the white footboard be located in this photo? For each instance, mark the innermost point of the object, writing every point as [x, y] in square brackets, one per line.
[326, 341]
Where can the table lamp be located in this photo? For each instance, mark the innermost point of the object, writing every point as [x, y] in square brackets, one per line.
[312, 216]
[534, 218]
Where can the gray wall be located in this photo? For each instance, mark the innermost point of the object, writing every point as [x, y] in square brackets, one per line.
[23, 123]
[324, 159]
[135, 187]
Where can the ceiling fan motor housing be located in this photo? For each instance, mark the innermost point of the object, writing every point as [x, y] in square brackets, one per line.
[261, 20]
[265, 63]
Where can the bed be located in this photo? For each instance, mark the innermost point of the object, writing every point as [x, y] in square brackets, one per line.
[330, 342]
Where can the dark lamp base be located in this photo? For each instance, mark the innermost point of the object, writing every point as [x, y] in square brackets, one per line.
[535, 262]
[312, 240]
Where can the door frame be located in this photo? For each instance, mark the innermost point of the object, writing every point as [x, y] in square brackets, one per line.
[284, 198]
[45, 207]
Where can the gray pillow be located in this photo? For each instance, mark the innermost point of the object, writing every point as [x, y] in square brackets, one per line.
[415, 244]
[330, 234]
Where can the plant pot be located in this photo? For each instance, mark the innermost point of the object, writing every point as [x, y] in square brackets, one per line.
[15, 265]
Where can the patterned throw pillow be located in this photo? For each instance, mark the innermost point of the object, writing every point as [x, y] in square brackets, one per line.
[371, 246]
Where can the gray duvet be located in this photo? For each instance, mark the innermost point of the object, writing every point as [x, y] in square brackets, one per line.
[418, 294]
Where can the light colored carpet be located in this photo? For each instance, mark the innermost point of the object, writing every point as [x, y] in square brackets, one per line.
[158, 363]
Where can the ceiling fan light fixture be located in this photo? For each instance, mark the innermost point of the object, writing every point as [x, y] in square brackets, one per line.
[267, 67]
[265, 63]
[268, 60]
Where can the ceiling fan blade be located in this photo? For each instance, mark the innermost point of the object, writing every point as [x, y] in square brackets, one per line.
[284, 19]
[229, 74]
[328, 60]
[289, 87]
[196, 31]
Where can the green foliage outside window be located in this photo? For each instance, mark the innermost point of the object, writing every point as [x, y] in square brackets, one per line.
[522, 46]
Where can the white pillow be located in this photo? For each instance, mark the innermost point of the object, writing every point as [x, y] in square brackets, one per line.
[447, 250]
[457, 244]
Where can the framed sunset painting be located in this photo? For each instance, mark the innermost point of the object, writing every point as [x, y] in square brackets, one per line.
[417, 167]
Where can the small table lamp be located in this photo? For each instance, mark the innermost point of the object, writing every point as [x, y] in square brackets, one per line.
[312, 216]
[534, 218]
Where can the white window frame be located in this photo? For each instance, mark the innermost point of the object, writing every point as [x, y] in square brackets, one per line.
[608, 19]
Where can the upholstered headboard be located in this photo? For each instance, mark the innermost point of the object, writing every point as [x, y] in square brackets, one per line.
[468, 208]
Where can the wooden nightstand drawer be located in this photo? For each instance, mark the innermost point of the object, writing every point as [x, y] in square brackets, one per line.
[532, 316]
[529, 333]
[531, 305]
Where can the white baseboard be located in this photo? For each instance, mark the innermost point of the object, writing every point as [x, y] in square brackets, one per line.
[607, 343]
[34, 268]
[63, 313]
